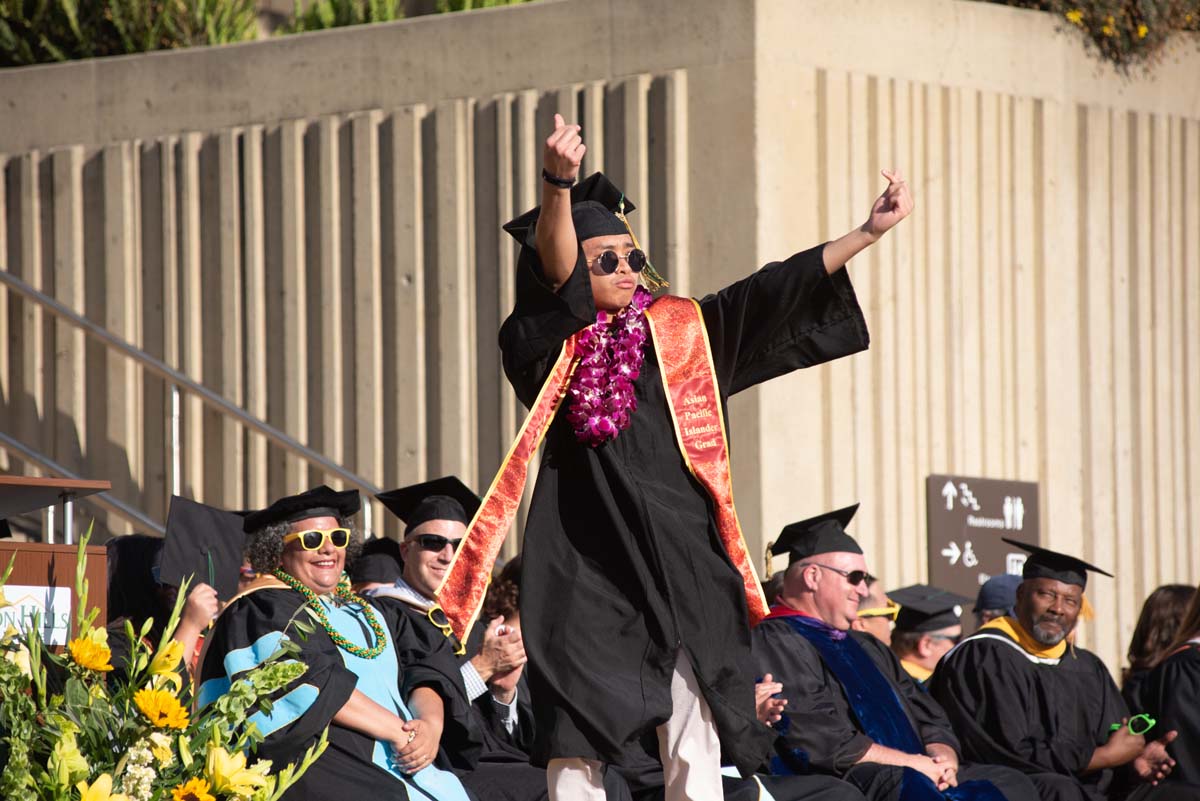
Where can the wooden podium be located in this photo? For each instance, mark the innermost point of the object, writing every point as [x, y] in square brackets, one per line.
[44, 576]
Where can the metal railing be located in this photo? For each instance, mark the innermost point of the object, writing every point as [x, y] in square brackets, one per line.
[102, 499]
[177, 381]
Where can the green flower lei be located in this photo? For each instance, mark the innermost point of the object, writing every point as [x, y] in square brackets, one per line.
[344, 594]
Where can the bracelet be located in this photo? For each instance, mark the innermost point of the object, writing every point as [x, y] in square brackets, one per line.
[554, 180]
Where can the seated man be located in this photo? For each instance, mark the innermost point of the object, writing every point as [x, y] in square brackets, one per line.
[1018, 695]
[996, 598]
[929, 624]
[876, 613]
[854, 712]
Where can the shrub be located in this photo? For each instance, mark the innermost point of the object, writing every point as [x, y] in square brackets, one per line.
[41, 31]
[1127, 33]
[324, 14]
[444, 6]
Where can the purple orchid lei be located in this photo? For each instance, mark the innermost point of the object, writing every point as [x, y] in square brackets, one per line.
[610, 359]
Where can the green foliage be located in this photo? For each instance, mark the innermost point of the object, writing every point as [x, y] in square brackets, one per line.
[1126, 33]
[136, 735]
[42, 31]
[444, 6]
[324, 14]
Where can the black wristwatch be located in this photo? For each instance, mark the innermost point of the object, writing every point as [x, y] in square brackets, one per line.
[554, 180]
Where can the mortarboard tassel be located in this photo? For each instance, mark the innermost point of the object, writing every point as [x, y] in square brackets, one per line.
[654, 281]
[767, 562]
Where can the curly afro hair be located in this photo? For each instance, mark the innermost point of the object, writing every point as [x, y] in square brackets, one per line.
[264, 548]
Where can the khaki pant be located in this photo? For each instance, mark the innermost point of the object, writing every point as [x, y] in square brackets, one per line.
[687, 746]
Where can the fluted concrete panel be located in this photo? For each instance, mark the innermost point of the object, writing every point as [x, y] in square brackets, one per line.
[322, 247]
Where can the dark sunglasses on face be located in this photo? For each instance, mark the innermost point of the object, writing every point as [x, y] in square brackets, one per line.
[608, 261]
[435, 542]
[855, 577]
[314, 539]
[953, 638]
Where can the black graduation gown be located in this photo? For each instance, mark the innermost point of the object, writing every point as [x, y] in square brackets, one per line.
[623, 566]
[487, 764]
[821, 733]
[1044, 720]
[346, 769]
[1172, 696]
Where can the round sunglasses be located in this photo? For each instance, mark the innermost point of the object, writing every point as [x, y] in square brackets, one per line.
[608, 261]
[314, 539]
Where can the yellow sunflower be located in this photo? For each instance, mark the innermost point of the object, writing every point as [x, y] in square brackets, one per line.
[91, 651]
[161, 708]
[192, 790]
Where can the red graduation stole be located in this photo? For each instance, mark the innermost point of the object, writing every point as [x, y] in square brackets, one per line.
[685, 362]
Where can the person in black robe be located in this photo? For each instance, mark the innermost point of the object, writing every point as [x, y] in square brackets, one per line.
[627, 582]
[857, 713]
[486, 755]
[1172, 697]
[1153, 637]
[371, 677]
[1019, 694]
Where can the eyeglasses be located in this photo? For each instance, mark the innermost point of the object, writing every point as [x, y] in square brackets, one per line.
[437, 616]
[954, 638]
[608, 261]
[1138, 724]
[314, 538]
[890, 611]
[855, 577]
[435, 542]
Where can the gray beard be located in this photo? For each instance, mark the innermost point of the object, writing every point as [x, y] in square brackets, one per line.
[1046, 638]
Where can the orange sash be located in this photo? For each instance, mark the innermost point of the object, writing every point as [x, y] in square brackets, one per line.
[685, 361]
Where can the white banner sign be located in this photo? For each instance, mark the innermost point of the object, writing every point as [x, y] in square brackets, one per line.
[51, 604]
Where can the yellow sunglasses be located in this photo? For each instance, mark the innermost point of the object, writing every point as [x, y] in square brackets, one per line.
[313, 539]
[890, 611]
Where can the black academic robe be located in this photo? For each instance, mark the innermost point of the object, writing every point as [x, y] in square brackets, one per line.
[623, 566]
[820, 732]
[1172, 697]
[346, 769]
[1042, 719]
[487, 763]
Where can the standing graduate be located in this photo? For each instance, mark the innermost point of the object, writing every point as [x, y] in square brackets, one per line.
[857, 713]
[370, 678]
[639, 589]
[1018, 694]
[1172, 697]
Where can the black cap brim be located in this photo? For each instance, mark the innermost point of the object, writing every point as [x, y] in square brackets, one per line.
[1045, 563]
[205, 543]
[824, 533]
[596, 187]
[445, 498]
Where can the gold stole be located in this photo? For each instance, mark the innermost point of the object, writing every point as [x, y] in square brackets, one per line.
[1013, 628]
[685, 361]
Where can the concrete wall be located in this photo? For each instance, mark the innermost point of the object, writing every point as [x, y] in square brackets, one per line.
[310, 225]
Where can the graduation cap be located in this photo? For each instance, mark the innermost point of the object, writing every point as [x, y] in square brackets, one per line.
[821, 534]
[925, 608]
[317, 502]
[380, 561]
[1045, 563]
[445, 498]
[205, 543]
[598, 208]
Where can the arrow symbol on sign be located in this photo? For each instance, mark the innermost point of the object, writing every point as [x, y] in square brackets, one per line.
[949, 492]
[952, 552]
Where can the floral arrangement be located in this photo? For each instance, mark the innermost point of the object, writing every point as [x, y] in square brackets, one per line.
[611, 353]
[75, 727]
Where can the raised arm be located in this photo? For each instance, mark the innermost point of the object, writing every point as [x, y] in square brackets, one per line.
[889, 208]
[555, 237]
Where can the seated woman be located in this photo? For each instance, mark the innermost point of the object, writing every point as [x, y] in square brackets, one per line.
[1172, 698]
[383, 711]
